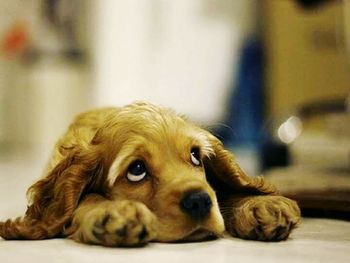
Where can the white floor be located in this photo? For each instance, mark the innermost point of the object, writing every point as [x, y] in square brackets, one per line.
[316, 240]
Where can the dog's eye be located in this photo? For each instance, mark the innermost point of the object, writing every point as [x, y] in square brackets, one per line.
[195, 156]
[136, 171]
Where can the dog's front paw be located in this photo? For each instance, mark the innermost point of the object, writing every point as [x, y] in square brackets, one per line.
[266, 218]
[123, 223]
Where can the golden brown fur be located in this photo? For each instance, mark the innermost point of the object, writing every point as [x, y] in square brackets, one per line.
[86, 195]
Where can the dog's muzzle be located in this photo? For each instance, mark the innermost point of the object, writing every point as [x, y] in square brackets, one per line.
[196, 204]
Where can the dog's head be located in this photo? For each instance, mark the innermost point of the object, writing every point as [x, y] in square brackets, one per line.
[159, 159]
[144, 153]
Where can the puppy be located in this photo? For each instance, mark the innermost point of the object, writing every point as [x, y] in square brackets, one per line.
[127, 176]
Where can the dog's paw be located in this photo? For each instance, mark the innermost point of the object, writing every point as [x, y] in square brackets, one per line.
[124, 223]
[266, 218]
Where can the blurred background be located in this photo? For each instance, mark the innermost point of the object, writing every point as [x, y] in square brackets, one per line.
[270, 78]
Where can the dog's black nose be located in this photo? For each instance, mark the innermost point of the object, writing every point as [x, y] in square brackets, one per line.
[196, 204]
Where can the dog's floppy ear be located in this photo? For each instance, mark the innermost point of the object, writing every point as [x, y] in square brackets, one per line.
[55, 197]
[225, 175]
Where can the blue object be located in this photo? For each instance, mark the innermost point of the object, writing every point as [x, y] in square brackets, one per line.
[246, 107]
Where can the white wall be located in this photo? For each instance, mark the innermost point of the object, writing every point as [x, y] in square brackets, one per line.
[180, 54]
[11, 13]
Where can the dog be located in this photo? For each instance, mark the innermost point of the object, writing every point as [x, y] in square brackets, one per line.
[127, 176]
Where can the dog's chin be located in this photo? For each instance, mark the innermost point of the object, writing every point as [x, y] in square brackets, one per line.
[199, 235]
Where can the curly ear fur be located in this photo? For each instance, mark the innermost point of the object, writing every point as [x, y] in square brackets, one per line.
[76, 169]
[55, 197]
[224, 173]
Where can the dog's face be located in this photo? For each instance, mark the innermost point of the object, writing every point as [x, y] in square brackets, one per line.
[158, 159]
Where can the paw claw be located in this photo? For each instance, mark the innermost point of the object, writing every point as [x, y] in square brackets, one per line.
[280, 232]
[143, 234]
[106, 219]
[98, 234]
[121, 232]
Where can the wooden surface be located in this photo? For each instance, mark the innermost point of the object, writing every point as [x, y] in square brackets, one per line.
[305, 54]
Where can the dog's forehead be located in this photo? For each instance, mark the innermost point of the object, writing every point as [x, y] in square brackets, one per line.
[153, 120]
[142, 122]
[149, 112]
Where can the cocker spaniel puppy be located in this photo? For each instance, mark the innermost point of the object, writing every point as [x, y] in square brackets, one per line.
[127, 176]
